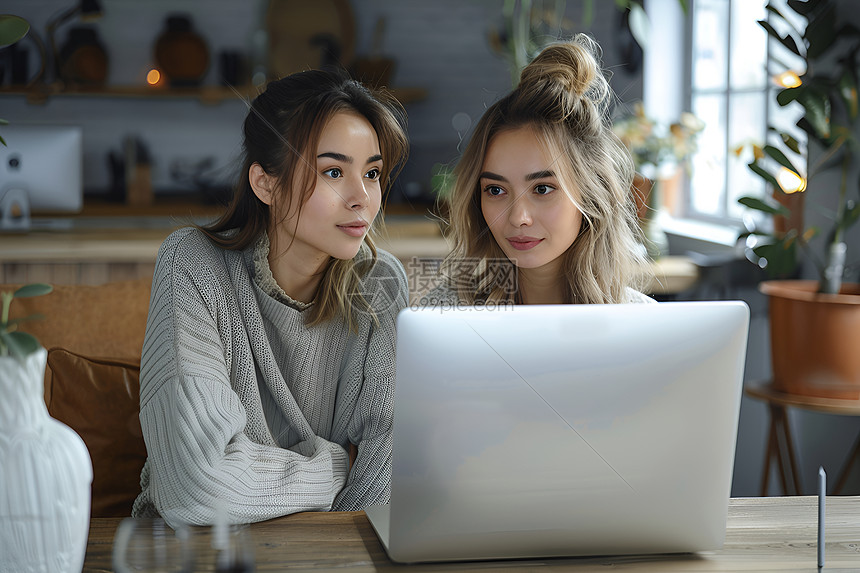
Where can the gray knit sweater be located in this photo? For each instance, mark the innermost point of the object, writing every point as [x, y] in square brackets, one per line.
[243, 405]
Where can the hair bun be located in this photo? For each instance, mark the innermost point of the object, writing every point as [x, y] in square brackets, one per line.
[566, 64]
[565, 75]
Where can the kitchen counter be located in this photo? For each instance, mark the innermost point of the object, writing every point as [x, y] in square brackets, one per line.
[93, 250]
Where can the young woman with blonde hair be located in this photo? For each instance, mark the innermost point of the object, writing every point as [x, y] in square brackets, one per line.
[269, 349]
[544, 185]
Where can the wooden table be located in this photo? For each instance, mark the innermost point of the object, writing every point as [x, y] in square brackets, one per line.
[780, 445]
[763, 534]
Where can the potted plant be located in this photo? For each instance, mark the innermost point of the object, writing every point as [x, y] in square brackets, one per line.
[528, 26]
[815, 325]
[658, 152]
[45, 467]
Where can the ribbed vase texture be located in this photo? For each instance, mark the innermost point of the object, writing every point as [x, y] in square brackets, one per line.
[45, 477]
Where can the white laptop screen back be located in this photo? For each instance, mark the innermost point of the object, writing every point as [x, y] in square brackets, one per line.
[565, 430]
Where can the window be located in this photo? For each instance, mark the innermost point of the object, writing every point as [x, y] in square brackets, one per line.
[730, 70]
[729, 92]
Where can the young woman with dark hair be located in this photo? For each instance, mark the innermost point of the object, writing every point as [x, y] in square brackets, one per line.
[269, 349]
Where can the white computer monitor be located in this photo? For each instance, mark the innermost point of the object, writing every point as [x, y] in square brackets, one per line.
[46, 162]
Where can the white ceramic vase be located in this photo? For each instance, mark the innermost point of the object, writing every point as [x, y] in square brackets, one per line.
[45, 477]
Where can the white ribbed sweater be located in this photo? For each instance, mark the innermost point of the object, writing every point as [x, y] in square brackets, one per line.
[243, 405]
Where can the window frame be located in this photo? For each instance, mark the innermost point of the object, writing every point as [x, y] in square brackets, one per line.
[726, 93]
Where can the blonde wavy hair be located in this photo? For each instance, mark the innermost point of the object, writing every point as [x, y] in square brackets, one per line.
[281, 133]
[564, 96]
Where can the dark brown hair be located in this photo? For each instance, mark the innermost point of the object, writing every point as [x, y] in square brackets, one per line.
[281, 133]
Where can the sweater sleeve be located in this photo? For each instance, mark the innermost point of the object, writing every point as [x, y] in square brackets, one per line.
[370, 427]
[194, 421]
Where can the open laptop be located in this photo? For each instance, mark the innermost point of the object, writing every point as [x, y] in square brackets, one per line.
[544, 431]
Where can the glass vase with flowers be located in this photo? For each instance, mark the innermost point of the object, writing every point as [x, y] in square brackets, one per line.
[659, 150]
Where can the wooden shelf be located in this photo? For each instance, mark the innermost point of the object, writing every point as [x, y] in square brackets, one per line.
[209, 95]
[206, 94]
[170, 204]
[163, 205]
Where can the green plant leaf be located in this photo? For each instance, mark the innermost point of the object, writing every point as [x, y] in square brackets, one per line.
[804, 7]
[854, 145]
[34, 289]
[790, 142]
[765, 250]
[786, 41]
[821, 31]
[20, 344]
[12, 29]
[764, 175]
[759, 205]
[848, 91]
[774, 10]
[848, 30]
[809, 130]
[788, 95]
[780, 257]
[817, 106]
[850, 217]
[759, 234]
[441, 180]
[780, 158]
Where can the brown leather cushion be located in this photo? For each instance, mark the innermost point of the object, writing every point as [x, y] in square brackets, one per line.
[101, 320]
[100, 400]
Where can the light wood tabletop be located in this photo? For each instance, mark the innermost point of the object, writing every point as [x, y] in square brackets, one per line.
[762, 534]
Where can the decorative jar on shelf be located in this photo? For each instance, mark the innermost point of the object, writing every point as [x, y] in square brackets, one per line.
[83, 59]
[45, 476]
[181, 53]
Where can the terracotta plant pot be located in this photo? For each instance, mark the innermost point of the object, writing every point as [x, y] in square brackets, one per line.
[815, 339]
[641, 190]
